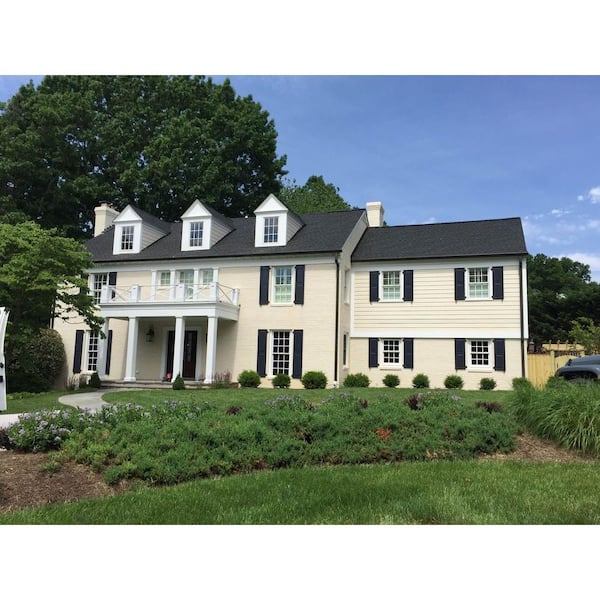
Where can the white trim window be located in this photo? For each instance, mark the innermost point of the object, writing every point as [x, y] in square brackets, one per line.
[186, 278]
[127, 237]
[98, 281]
[164, 278]
[281, 352]
[478, 283]
[271, 230]
[283, 285]
[92, 351]
[206, 276]
[196, 234]
[390, 352]
[391, 287]
[479, 354]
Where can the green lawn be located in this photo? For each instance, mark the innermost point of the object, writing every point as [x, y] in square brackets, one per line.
[462, 492]
[32, 402]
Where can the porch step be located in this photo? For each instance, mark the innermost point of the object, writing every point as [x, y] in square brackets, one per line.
[155, 385]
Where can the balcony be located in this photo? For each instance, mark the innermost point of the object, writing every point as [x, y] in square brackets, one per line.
[182, 299]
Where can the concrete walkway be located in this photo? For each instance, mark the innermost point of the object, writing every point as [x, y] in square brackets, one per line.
[86, 400]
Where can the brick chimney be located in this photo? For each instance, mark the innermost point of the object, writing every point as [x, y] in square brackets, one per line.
[105, 215]
[375, 214]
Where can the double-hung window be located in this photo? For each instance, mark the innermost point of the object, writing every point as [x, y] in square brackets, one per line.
[127, 232]
[98, 280]
[165, 278]
[280, 352]
[390, 286]
[391, 352]
[271, 230]
[479, 353]
[196, 234]
[92, 354]
[478, 283]
[282, 285]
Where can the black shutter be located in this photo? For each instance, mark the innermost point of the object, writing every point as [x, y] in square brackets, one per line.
[299, 294]
[78, 351]
[108, 350]
[499, 355]
[498, 283]
[263, 297]
[261, 355]
[459, 284]
[408, 286]
[459, 354]
[374, 286]
[112, 278]
[408, 353]
[373, 352]
[297, 362]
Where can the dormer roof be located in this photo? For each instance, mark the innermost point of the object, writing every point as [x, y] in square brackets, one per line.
[275, 223]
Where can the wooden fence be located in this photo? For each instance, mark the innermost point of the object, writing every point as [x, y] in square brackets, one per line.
[542, 366]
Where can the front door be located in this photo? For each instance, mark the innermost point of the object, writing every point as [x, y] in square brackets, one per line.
[190, 346]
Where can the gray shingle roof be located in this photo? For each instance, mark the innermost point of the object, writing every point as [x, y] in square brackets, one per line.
[442, 240]
[321, 232]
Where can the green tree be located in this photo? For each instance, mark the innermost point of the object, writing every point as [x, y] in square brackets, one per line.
[157, 142]
[314, 196]
[586, 333]
[560, 290]
[40, 276]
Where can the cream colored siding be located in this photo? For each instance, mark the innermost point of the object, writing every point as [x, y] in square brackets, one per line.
[434, 309]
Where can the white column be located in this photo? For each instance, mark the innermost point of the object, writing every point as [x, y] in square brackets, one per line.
[132, 340]
[153, 286]
[211, 349]
[178, 346]
[102, 345]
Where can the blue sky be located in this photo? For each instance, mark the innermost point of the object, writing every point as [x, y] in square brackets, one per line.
[446, 148]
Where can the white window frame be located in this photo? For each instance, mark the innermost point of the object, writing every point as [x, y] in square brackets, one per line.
[479, 270]
[98, 281]
[290, 354]
[189, 285]
[382, 352]
[271, 230]
[274, 285]
[476, 346]
[127, 238]
[121, 231]
[385, 288]
[161, 275]
[92, 351]
[206, 276]
[196, 234]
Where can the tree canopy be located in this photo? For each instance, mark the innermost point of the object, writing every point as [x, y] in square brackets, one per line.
[560, 291]
[314, 196]
[40, 276]
[156, 142]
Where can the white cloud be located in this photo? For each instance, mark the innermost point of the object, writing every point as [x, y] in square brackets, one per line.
[557, 212]
[593, 195]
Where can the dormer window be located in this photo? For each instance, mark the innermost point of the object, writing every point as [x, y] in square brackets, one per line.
[127, 234]
[196, 233]
[271, 230]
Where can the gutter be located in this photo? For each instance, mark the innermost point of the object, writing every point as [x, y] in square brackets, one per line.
[521, 319]
[337, 320]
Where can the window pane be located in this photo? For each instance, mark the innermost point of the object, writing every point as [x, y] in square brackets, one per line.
[196, 231]
[165, 278]
[391, 285]
[391, 352]
[98, 280]
[478, 282]
[480, 353]
[271, 230]
[92, 361]
[127, 238]
[281, 352]
[282, 285]
[206, 276]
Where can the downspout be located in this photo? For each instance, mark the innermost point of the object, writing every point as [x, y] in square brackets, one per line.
[522, 320]
[337, 320]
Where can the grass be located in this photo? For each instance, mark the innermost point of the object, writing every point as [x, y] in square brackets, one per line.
[462, 492]
[23, 402]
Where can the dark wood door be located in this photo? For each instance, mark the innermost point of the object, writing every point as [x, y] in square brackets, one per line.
[190, 346]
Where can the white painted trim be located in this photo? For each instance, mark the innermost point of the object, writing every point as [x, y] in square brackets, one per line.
[425, 264]
[436, 334]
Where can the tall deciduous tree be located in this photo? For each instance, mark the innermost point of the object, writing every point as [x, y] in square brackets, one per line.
[560, 291]
[314, 196]
[157, 142]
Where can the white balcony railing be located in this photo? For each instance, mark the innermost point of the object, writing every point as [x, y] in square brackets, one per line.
[183, 292]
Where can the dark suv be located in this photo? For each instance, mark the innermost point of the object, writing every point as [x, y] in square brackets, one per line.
[585, 367]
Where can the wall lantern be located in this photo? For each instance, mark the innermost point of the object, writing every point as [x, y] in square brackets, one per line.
[150, 335]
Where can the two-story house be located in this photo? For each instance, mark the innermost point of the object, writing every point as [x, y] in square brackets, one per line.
[283, 293]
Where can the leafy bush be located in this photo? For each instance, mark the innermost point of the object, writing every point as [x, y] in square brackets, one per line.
[391, 380]
[453, 382]
[95, 381]
[420, 381]
[356, 380]
[314, 380]
[178, 383]
[487, 383]
[281, 380]
[249, 379]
